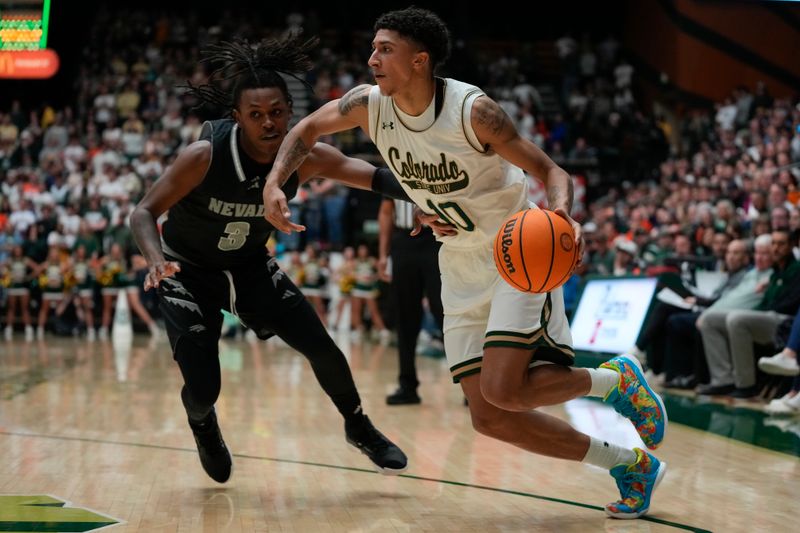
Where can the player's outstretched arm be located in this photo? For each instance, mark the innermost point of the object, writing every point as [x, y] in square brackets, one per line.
[186, 173]
[495, 130]
[325, 161]
[345, 113]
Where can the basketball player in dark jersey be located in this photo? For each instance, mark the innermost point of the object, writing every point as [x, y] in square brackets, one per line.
[213, 254]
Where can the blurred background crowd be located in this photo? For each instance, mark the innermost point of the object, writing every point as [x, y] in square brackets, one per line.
[663, 186]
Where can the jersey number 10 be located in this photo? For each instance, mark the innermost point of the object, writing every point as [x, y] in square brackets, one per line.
[452, 213]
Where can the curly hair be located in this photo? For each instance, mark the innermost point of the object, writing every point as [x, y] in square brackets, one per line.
[421, 26]
[251, 66]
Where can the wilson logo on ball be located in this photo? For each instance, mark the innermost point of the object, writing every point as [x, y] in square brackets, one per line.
[534, 250]
[507, 242]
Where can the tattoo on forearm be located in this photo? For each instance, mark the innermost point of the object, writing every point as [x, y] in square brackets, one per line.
[557, 197]
[358, 96]
[291, 156]
[492, 117]
[297, 153]
[554, 196]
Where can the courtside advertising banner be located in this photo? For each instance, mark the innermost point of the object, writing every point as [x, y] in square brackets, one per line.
[610, 314]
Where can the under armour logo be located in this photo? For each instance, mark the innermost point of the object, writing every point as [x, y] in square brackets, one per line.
[254, 183]
[389, 125]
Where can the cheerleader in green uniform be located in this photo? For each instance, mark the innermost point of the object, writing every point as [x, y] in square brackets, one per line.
[83, 288]
[51, 276]
[344, 278]
[294, 269]
[315, 282]
[365, 292]
[16, 276]
[113, 278]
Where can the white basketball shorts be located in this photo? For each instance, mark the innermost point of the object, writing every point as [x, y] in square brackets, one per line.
[481, 310]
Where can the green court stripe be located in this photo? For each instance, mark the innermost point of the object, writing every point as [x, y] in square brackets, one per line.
[355, 469]
[56, 527]
[550, 499]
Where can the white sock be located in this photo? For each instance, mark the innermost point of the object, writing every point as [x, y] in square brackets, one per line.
[603, 379]
[606, 455]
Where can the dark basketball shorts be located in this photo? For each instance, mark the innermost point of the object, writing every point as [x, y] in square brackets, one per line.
[191, 301]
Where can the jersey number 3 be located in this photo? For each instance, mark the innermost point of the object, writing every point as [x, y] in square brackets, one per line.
[235, 235]
[452, 213]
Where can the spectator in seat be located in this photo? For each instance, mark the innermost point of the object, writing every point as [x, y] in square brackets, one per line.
[685, 364]
[728, 336]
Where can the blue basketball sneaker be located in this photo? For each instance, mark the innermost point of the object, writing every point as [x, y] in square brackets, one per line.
[634, 399]
[636, 484]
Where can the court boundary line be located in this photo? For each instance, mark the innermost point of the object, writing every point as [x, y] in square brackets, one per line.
[352, 469]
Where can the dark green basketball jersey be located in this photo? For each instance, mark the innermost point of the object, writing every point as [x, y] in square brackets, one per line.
[220, 223]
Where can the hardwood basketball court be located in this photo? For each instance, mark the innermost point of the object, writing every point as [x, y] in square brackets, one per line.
[104, 430]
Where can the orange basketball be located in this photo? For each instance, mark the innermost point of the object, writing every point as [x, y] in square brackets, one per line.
[535, 250]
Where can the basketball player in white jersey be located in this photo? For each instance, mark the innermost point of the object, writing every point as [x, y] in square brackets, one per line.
[460, 159]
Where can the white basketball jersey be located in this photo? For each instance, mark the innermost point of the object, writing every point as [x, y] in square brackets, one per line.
[445, 170]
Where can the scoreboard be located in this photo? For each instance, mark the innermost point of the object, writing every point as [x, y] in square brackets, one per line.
[23, 24]
[23, 40]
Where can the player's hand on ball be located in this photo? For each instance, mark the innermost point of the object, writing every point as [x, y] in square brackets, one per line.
[576, 227]
[159, 271]
[276, 211]
[439, 228]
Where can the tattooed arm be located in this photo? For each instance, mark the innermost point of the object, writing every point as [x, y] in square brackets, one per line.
[496, 132]
[337, 115]
[342, 114]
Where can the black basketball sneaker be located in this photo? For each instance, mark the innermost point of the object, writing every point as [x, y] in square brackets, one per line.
[387, 458]
[403, 397]
[214, 455]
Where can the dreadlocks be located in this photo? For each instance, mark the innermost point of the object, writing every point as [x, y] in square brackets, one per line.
[251, 66]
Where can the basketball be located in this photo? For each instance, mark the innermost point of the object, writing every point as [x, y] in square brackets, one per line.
[535, 251]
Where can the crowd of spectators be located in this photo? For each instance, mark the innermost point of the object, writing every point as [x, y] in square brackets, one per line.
[70, 175]
[726, 201]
